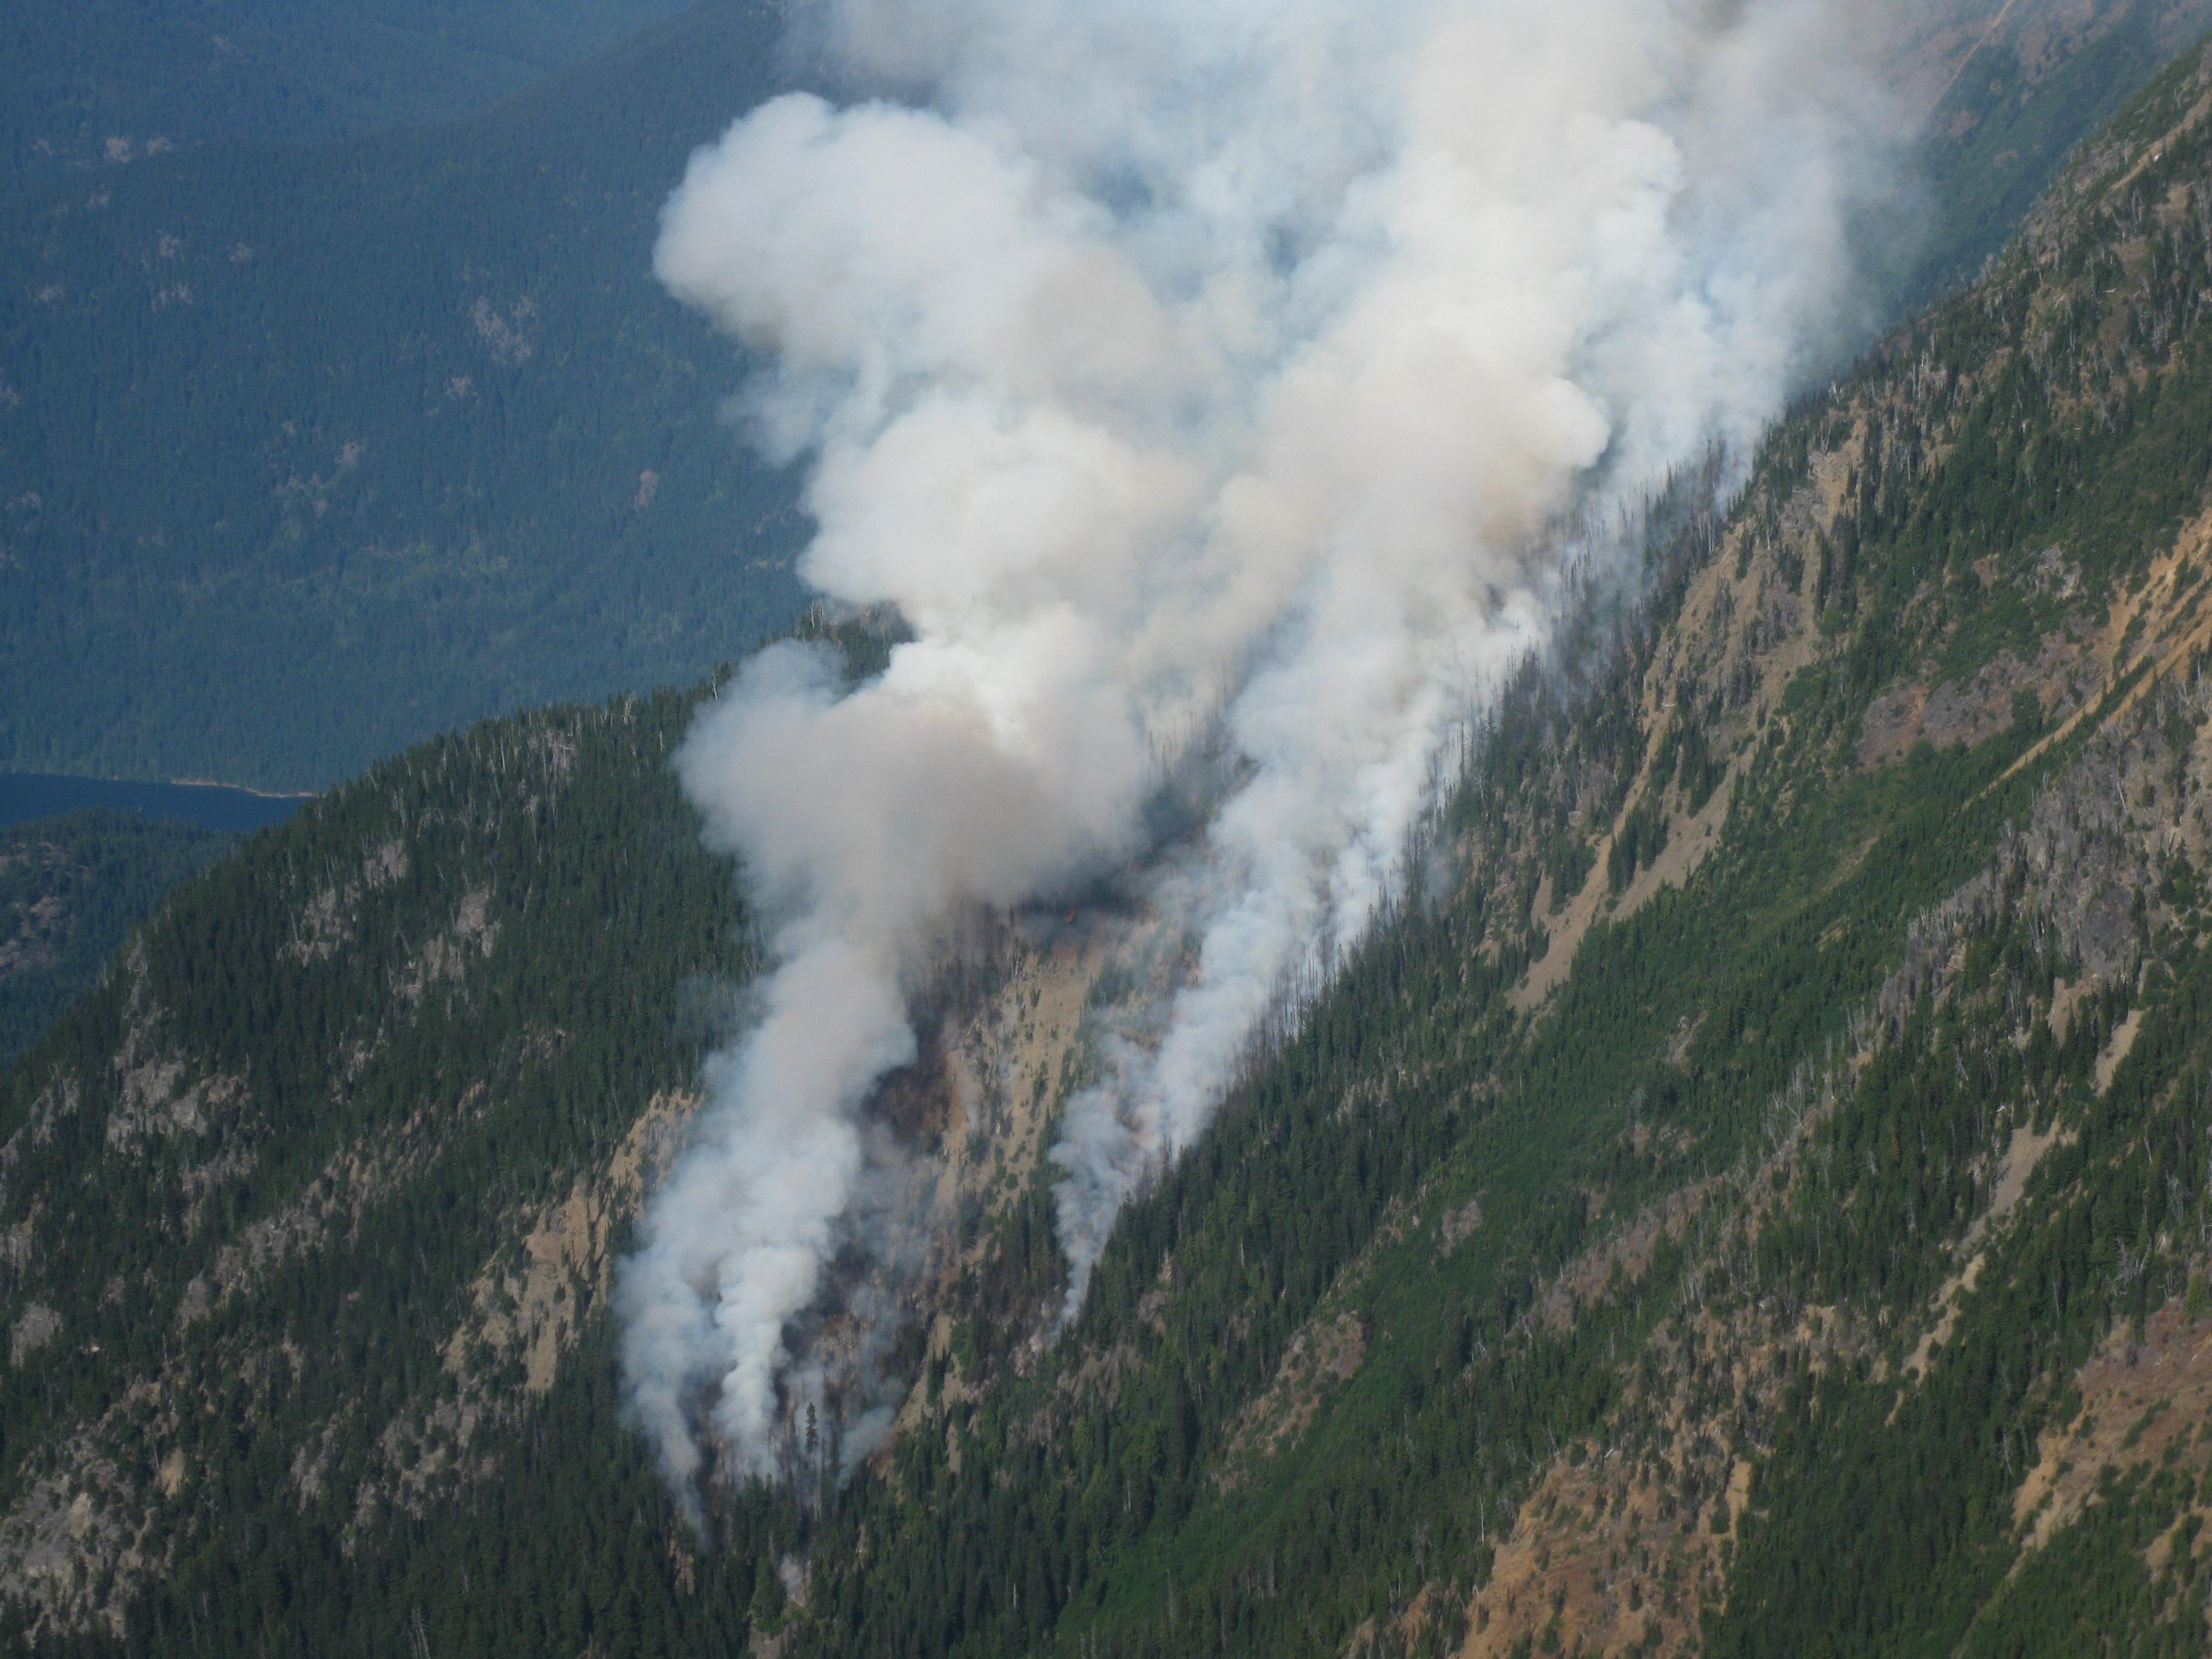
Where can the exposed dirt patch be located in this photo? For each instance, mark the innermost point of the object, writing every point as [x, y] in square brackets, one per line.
[34, 1327]
[2155, 630]
[1745, 629]
[60, 1098]
[1603, 1558]
[446, 955]
[54, 1543]
[348, 1186]
[1457, 1226]
[1623, 1544]
[1550, 971]
[1621, 1260]
[2022, 1153]
[2146, 1397]
[1891, 725]
[527, 1309]
[153, 1099]
[1008, 1065]
[1691, 838]
[1327, 1353]
[42, 928]
[2066, 998]
[1978, 709]
[327, 921]
[534, 1311]
[1012, 1066]
[74, 1547]
[2117, 1049]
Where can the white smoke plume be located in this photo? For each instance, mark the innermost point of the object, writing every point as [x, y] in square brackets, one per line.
[1185, 372]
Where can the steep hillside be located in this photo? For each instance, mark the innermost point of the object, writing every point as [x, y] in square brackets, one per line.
[305, 1204]
[104, 83]
[1759, 1207]
[2011, 91]
[1752, 1199]
[308, 453]
[71, 889]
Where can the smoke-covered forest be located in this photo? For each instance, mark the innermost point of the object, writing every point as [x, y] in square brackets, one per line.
[824, 1159]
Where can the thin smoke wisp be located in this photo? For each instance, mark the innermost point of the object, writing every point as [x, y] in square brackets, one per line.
[1210, 373]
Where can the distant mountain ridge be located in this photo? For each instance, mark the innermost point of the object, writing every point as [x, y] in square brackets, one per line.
[307, 452]
[102, 84]
[2009, 93]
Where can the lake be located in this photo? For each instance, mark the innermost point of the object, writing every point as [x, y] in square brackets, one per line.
[41, 795]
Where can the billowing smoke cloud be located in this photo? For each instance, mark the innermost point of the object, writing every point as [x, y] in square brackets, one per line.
[1186, 372]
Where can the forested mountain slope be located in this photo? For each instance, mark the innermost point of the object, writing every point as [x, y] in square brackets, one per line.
[1755, 1198]
[102, 82]
[305, 1204]
[1809, 1267]
[71, 889]
[2010, 92]
[1762, 1209]
[307, 452]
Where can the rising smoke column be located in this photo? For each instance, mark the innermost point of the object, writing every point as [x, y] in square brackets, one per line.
[1203, 372]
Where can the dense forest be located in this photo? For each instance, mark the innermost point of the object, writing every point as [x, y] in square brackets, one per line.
[2014, 105]
[71, 889]
[1755, 1196]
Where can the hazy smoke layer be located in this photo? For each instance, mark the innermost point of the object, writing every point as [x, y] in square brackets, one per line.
[1183, 370]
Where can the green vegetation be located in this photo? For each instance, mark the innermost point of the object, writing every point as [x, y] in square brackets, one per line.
[1292, 1204]
[70, 889]
[2016, 109]
[1818, 1266]
[351, 1057]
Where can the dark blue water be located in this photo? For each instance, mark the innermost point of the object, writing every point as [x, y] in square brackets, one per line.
[38, 795]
